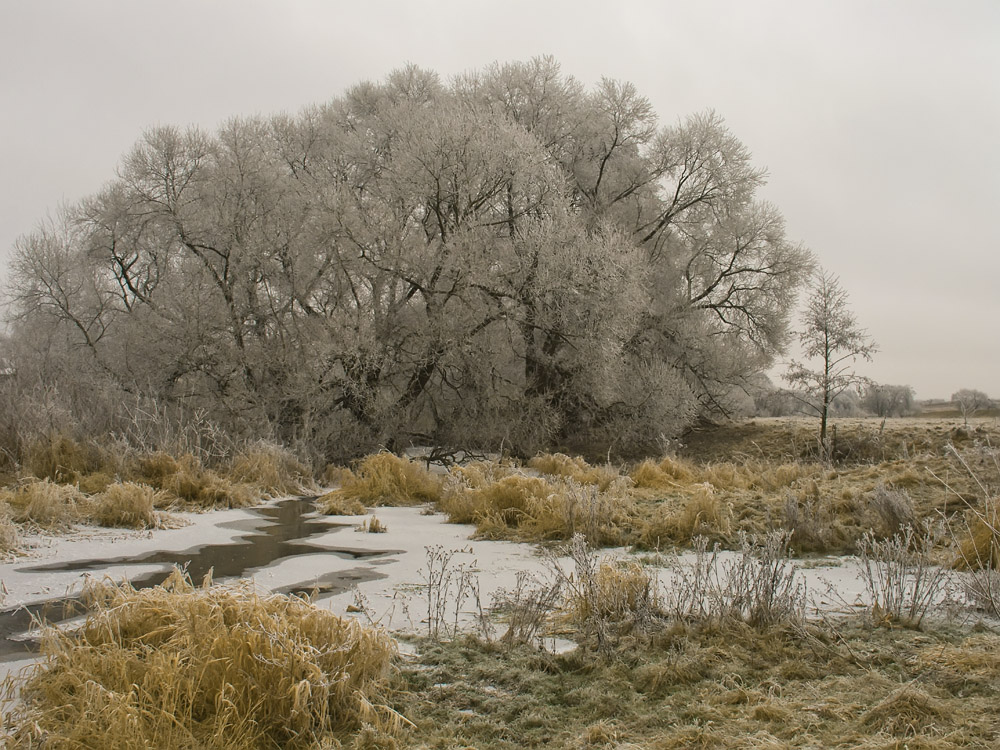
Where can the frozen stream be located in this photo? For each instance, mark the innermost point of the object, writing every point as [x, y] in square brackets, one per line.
[285, 546]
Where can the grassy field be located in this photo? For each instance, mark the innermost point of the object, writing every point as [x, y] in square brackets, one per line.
[731, 661]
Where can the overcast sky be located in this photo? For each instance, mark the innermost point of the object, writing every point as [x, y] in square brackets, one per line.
[878, 120]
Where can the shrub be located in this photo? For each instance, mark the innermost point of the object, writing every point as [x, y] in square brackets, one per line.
[619, 591]
[604, 599]
[901, 580]
[811, 523]
[127, 505]
[212, 667]
[893, 508]
[760, 585]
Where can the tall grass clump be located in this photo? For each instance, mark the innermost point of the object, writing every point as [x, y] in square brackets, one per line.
[271, 468]
[127, 505]
[702, 513]
[536, 509]
[178, 666]
[576, 468]
[668, 472]
[60, 458]
[386, 479]
[979, 541]
[605, 598]
[334, 503]
[10, 535]
[893, 508]
[190, 483]
[46, 504]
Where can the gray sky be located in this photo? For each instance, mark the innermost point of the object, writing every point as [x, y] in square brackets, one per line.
[878, 120]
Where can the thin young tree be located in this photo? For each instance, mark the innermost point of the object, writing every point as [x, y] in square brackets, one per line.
[969, 401]
[830, 335]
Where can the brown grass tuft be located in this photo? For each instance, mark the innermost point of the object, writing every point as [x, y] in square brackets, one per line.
[533, 508]
[335, 503]
[212, 667]
[372, 525]
[979, 547]
[561, 465]
[10, 535]
[189, 484]
[272, 468]
[128, 505]
[702, 514]
[619, 591]
[59, 458]
[46, 504]
[669, 472]
[385, 479]
[906, 711]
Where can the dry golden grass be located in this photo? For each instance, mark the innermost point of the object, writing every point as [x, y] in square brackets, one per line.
[60, 458]
[561, 465]
[189, 484]
[385, 479]
[620, 591]
[537, 509]
[905, 712]
[677, 473]
[335, 503]
[979, 544]
[667, 473]
[10, 535]
[334, 475]
[478, 474]
[46, 504]
[212, 667]
[503, 503]
[273, 469]
[372, 525]
[701, 513]
[128, 505]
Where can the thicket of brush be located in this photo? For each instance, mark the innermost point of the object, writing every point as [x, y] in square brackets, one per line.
[179, 666]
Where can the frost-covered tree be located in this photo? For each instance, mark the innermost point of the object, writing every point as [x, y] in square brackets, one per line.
[509, 257]
[833, 340]
[969, 401]
[885, 400]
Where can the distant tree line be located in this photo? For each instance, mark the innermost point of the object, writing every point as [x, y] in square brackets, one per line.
[508, 257]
